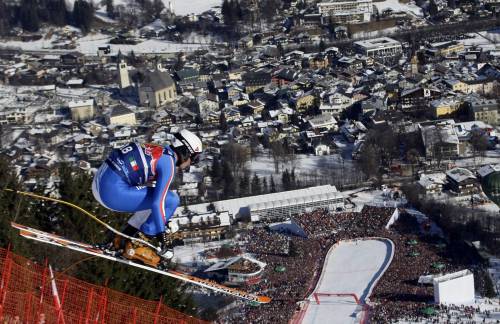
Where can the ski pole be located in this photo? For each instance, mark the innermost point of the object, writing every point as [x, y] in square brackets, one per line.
[63, 202]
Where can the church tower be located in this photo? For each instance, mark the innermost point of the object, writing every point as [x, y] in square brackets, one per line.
[123, 73]
[414, 65]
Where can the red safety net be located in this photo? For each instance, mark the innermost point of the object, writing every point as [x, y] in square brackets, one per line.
[29, 293]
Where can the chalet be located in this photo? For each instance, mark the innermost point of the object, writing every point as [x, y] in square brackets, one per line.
[256, 80]
[462, 181]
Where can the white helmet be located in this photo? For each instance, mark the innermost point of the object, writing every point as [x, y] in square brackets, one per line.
[187, 139]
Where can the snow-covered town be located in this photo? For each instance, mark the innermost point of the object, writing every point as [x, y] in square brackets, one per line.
[348, 168]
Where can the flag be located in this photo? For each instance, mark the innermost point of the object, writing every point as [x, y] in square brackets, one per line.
[134, 165]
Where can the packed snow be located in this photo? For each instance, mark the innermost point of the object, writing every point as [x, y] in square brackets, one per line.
[350, 267]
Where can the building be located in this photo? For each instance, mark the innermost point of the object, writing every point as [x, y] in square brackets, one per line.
[124, 80]
[321, 149]
[122, 116]
[461, 181]
[237, 271]
[346, 11]
[444, 107]
[207, 226]
[275, 206]
[157, 89]
[480, 85]
[379, 47]
[447, 48]
[303, 101]
[454, 288]
[456, 85]
[82, 110]
[440, 140]
[417, 98]
[432, 183]
[285, 204]
[323, 123]
[319, 62]
[485, 110]
[256, 80]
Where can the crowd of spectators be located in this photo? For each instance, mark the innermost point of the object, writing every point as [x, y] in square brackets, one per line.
[397, 295]
[261, 240]
[460, 314]
[300, 269]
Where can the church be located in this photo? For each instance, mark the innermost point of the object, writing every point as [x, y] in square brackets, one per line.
[155, 88]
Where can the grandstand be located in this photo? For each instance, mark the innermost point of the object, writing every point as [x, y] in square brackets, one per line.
[275, 206]
[32, 293]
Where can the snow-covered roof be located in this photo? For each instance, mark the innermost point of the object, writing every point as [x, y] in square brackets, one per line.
[429, 180]
[81, 103]
[460, 174]
[285, 198]
[488, 169]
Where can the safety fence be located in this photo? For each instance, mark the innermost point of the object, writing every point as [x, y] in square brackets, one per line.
[33, 293]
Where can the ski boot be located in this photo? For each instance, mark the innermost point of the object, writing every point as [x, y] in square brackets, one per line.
[138, 252]
[114, 243]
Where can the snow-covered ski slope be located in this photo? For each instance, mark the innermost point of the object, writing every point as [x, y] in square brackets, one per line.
[350, 267]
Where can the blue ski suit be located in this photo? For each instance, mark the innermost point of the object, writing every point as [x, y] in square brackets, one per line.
[121, 182]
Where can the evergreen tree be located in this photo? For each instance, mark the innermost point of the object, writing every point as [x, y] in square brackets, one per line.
[285, 180]
[110, 9]
[433, 8]
[256, 189]
[322, 45]
[293, 182]
[83, 15]
[229, 183]
[272, 185]
[216, 170]
[57, 12]
[43, 10]
[244, 185]
[265, 188]
[238, 10]
[222, 122]
[29, 15]
[281, 51]
[158, 7]
[5, 12]
[226, 12]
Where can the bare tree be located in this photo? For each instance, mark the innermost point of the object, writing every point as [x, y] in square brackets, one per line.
[278, 153]
[479, 143]
[237, 156]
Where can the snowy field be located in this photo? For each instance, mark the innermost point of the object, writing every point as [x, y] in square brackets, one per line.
[90, 43]
[488, 40]
[350, 267]
[186, 7]
[180, 7]
[396, 6]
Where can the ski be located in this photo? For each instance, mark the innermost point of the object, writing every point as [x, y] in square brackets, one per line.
[44, 237]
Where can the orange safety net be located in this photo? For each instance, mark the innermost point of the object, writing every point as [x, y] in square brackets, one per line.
[29, 294]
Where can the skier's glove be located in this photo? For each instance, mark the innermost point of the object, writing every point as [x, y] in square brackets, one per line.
[172, 227]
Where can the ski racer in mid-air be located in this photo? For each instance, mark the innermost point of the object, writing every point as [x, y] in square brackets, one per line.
[123, 183]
